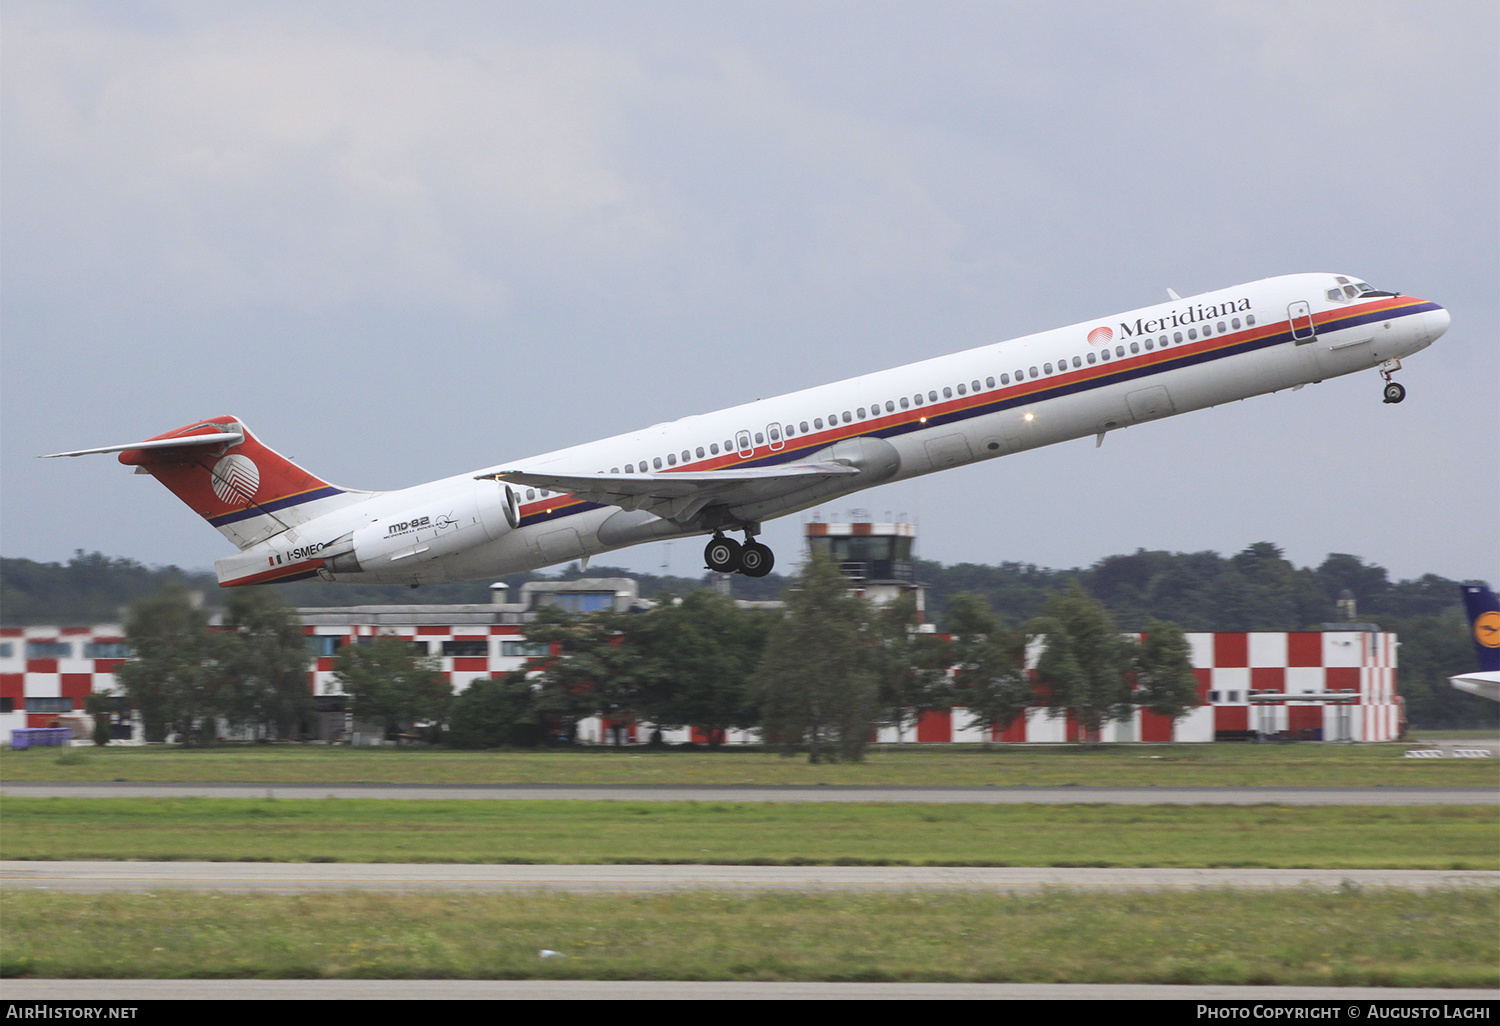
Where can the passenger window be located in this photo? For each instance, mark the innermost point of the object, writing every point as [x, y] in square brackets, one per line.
[1033, 372]
[1177, 336]
[1221, 327]
[860, 412]
[714, 449]
[932, 396]
[988, 383]
[1005, 379]
[947, 393]
[847, 417]
[1162, 341]
[671, 460]
[1235, 324]
[742, 441]
[817, 423]
[890, 407]
[775, 433]
[1192, 333]
[1104, 354]
[1150, 344]
[803, 427]
[643, 466]
[629, 469]
[790, 431]
[1119, 350]
[1250, 320]
[656, 463]
[1207, 330]
[962, 390]
[700, 452]
[917, 399]
[530, 494]
[614, 470]
[905, 403]
[1077, 362]
[760, 438]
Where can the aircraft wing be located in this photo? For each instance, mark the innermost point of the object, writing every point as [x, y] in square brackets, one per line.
[680, 496]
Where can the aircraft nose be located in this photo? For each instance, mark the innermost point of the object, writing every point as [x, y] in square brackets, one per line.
[1437, 323]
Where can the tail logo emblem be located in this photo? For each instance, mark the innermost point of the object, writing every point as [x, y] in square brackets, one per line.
[1487, 629]
[236, 479]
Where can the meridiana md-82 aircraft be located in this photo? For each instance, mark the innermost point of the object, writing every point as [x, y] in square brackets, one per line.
[728, 472]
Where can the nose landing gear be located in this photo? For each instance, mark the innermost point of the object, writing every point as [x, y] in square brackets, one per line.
[727, 556]
[1394, 392]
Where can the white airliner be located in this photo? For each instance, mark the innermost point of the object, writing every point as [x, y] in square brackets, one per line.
[732, 470]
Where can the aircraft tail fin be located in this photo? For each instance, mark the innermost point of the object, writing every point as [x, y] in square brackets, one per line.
[247, 490]
[1484, 621]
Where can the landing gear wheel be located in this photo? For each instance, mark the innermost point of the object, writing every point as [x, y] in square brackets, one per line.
[756, 560]
[722, 555]
[1394, 392]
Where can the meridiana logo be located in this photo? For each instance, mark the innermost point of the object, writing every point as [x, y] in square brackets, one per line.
[236, 479]
[1099, 336]
[1487, 629]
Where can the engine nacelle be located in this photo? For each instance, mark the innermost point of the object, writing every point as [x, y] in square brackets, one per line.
[435, 526]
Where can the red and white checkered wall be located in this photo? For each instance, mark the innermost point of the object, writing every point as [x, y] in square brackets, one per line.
[1229, 667]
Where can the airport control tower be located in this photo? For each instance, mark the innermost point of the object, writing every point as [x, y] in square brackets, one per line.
[875, 557]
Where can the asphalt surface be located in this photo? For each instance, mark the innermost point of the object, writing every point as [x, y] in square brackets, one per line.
[304, 877]
[126, 991]
[1063, 795]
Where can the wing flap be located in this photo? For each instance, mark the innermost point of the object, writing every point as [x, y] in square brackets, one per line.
[679, 496]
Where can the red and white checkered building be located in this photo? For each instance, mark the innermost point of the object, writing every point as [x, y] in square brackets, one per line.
[1330, 685]
[1333, 685]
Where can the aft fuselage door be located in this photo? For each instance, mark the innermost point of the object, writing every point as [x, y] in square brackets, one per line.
[1300, 314]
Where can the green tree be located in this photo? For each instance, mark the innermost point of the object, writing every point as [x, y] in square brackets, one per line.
[499, 712]
[816, 686]
[696, 660]
[1164, 678]
[390, 685]
[1085, 661]
[594, 672]
[910, 666]
[265, 686]
[989, 665]
[175, 678]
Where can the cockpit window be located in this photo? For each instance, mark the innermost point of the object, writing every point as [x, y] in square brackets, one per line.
[1370, 291]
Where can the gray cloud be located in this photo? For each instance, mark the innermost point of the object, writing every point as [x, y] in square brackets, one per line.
[403, 242]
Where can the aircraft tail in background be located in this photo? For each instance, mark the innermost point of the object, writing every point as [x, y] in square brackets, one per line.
[1484, 626]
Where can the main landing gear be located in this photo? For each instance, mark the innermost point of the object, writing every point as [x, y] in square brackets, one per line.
[1394, 392]
[727, 556]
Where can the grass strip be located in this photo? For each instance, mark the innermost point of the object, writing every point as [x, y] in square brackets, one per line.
[755, 833]
[1219, 765]
[1346, 937]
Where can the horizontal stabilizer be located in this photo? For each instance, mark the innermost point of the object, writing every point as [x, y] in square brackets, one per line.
[213, 438]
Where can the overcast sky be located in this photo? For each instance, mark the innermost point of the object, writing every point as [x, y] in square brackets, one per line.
[403, 241]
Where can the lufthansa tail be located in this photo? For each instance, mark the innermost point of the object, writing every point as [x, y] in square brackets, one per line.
[1484, 625]
[248, 491]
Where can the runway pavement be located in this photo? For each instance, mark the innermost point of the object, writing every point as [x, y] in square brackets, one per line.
[304, 877]
[127, 991]
[993, 795]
